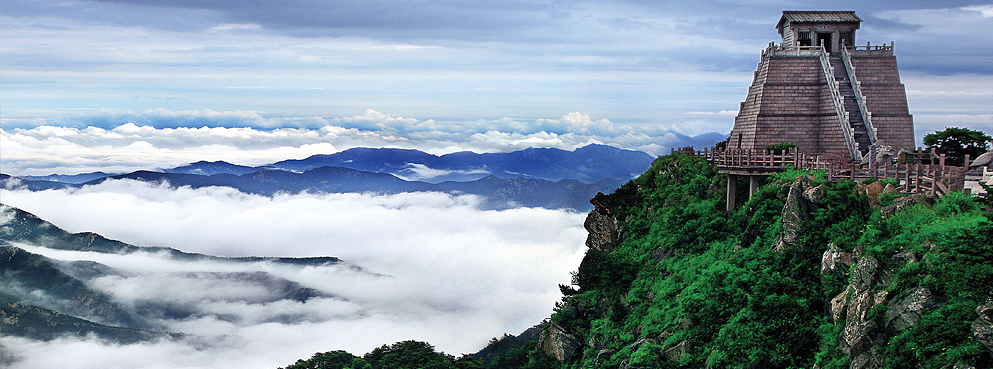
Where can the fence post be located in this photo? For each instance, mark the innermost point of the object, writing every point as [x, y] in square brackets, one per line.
[907, 186]
[918, 179]
[872, 162]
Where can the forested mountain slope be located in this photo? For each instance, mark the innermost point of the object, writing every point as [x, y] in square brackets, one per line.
[805, 274]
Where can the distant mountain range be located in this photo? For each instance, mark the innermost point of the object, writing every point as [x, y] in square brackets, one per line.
[43, 298]
[549, 178]
[588, 164]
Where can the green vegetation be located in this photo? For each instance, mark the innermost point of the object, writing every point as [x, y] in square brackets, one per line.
[400, 355]
[780, 147]
[685, 284]
[957, 143]
[690, 286]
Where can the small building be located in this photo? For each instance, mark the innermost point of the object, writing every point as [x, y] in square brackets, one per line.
[822, 92]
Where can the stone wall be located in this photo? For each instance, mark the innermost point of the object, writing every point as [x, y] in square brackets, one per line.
[886, 98]
[789, 101]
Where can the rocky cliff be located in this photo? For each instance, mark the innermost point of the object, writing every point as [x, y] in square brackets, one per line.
[806, 274]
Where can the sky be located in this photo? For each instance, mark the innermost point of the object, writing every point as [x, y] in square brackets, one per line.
[121, 85]
[129, 84]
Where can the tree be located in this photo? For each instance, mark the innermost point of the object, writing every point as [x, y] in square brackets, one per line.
[409, 355]
[337, 359]
[956, 143]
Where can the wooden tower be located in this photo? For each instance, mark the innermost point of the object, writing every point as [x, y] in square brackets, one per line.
[821, 92]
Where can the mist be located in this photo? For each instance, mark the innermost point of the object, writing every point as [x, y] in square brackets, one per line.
[422, 266]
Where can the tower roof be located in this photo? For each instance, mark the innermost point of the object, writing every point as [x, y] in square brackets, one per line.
[795, 16]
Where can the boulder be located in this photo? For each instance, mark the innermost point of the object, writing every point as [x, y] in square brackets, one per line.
[602, 356]
[984, 160]
[904, 258]
[675, 353]
[601, 225]
[905, 313]
[872, 190]
[854, 304]
[793, 213]
[982, 327]
[836, 261]
[902, 202]
[816, 194]
[557, 343]
[870, 359]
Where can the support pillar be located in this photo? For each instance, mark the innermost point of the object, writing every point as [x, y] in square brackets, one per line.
[753, 185]
[732, 186]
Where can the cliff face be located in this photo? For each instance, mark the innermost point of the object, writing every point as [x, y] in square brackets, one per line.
[805, 274]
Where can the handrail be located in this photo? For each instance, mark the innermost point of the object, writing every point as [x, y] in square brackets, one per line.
[859, 97]
[914, 177]
[839, 106]
[783, 50]
[869, 47]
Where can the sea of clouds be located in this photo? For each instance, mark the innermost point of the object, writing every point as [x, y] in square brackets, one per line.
[434, 267]
[123, 141]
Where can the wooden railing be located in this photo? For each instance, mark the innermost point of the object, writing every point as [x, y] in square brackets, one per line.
[839, 106]
[859, 98]
[917, 172]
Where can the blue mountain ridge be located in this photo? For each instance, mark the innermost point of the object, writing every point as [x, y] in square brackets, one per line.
[534, 177]
[588, 164]
[498, 193]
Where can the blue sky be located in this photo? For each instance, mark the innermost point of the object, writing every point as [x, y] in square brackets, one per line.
[257, 80]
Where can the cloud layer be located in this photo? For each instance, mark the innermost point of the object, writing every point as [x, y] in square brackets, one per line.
[124, 141]
[456, 275]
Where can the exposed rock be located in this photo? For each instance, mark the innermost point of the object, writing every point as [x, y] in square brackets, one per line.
[884, 155]
[838, 304]
[637, 344]
[836, 261]
[601, 225]
[864, 272]
[904, 258]
[856, 300]
[904, 314]
[961, 365]
[856, 335]
[675, 353]
[557, 343]
[901, 203]
[872, 190]
[869, 359]
[816, 194]
[890, 188]
[660, 254]
[626, 364]
[984, 160]
[982, 327]
[602, 357]
[792, 217]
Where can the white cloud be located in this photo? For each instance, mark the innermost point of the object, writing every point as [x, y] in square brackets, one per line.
[130, 146]
[457, 275]
[726, 113]
[421, 172]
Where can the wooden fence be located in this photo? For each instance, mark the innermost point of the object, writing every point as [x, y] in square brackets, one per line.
[916, 172]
